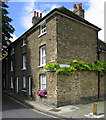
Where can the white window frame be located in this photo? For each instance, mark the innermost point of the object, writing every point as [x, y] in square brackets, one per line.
[42, 56]
[23, 42]
[24, 62]
[11, 86]
[42, 81]
[11, 65]
[43, 28]
[12, 50]
[24, 81]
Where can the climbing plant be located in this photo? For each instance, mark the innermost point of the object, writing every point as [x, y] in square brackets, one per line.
[76, 66]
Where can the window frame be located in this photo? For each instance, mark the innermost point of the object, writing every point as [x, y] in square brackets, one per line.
[24, 82]
[43, 81]
[12, 51]
[42, 30]
[24, 61]
[11, 84]
[42, 57]
[11, 66]
[23, 42]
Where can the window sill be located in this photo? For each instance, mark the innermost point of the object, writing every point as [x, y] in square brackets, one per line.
[23, 69]
[12, 53]
[24, 90]
[41, 34]
[41, 66]
[54, 70]
[23, 45]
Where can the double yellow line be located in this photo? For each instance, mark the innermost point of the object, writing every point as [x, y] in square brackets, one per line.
[33, 109]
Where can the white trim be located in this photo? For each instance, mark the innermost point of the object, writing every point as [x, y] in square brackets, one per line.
[42, 81]
[41, 34]
[24, 90]
[23, 43]
[24, 62]
[42, 55]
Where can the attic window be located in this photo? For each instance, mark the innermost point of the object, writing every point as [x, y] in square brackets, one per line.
[42, 29]
[12, 50]
[23, 42]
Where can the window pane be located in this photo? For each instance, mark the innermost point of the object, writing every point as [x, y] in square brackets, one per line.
[43, 81]
[43, 55]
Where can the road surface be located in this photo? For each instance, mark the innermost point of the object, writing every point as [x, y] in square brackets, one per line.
[12, 109]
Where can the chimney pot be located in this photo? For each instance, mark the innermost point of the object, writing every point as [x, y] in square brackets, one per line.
[80, 5]
[40, 15]
[37, 14]
[34, 13]
[74, 6]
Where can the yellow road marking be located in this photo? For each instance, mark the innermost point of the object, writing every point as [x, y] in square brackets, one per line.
[33, 109]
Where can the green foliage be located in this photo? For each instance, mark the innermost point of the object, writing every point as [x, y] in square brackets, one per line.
[7, 28]
[66, 70]
[77, 65]
[51, 66]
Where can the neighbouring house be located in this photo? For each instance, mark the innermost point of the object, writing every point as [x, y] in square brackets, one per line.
[59, 37]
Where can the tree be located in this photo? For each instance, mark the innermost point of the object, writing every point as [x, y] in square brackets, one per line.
[7, 28]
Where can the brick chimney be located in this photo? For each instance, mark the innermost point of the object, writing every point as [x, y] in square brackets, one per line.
[78, 10]
[36, 17]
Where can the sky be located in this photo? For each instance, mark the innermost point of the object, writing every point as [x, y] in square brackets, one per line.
[22, 13]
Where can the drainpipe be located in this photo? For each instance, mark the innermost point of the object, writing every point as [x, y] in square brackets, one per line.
[98, 58]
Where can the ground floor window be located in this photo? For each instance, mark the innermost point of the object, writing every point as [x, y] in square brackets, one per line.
[24, 81]
[42, 81]
[11, 85]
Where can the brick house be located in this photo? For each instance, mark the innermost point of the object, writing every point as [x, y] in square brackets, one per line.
[59, 37]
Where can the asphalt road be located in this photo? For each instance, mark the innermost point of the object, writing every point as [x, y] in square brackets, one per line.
[12, 109]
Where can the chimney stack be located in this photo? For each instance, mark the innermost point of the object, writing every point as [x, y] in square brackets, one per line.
[79, 11]
[34, 13]
[36, 17]
[75, 7]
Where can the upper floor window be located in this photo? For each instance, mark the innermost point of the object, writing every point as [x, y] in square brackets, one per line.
[24, 61]
[11, 66]
[43, 55]
[12, 50]
[42, 81]
[23, 42]
[43, 29]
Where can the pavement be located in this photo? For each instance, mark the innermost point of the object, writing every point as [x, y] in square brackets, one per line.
[68, 111]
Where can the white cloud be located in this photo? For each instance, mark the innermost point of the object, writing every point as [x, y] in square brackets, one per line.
[26, 19]
[95, 15]
[28, 9]
[14, 37]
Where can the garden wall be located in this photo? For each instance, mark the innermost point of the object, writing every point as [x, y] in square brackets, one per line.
[81, 86]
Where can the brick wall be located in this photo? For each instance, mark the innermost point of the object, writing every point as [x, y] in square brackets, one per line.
[75, 41]
[83, 85]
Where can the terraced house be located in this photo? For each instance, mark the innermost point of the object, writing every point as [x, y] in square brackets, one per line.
[59, 37]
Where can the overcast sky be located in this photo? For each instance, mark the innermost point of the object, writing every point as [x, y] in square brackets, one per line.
[22, 12]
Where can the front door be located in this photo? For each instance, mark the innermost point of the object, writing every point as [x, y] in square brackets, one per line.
[30, 86]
